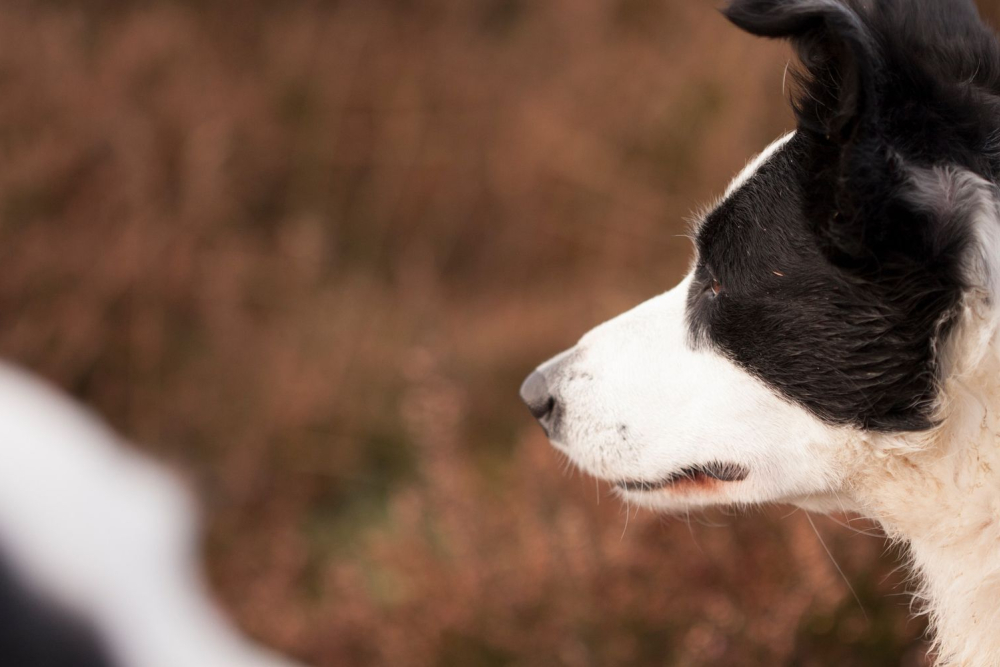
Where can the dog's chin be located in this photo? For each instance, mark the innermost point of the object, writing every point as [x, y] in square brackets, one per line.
[699, 485]
[701, 490]
[694, 486]
[694, 477]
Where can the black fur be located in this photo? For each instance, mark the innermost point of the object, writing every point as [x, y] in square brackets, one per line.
[836, 284]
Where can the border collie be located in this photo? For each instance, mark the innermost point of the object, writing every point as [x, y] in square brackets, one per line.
[835, 344]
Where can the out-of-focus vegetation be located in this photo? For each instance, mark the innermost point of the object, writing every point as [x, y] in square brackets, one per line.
[307, 250]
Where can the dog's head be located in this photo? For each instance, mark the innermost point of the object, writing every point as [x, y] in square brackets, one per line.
[830, 283]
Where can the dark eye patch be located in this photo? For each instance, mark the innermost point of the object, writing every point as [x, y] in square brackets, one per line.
[851, 348]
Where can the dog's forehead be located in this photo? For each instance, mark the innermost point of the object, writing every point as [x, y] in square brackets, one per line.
[760, 218]
[757, 162]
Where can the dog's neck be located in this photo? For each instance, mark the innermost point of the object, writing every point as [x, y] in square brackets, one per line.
[940, 492]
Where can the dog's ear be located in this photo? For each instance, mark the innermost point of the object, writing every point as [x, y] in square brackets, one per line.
[853, 168]
[840, 61]
[884, 86]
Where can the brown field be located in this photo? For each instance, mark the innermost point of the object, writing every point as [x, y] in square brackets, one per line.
[306, 251]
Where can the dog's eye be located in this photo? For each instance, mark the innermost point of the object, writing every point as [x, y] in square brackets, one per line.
[712, 284]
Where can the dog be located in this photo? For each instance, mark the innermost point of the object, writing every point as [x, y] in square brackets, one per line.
[835, 345]
[98, 557]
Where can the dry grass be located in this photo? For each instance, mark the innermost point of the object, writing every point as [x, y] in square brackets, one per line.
[307, 251]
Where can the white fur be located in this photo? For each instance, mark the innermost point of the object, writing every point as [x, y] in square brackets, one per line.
[105, 532]
[940, 491]
[641, 402]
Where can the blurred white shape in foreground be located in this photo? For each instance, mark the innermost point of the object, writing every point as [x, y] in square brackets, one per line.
[107, 535]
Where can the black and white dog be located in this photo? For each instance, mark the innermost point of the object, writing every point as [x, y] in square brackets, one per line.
[836, 342]
[98, 549]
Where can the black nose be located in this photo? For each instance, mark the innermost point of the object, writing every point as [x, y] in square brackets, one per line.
[535, 394]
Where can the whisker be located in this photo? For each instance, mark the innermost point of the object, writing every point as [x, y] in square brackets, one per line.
[837, 565]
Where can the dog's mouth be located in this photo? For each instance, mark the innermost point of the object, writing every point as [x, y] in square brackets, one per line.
[700, 474]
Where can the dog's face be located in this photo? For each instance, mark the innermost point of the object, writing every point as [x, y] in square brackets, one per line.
[825, 291]
[658, 401]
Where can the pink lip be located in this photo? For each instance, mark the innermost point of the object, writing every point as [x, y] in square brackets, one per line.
[722, 472]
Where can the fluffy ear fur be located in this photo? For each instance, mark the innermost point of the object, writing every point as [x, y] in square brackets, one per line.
[884, 86]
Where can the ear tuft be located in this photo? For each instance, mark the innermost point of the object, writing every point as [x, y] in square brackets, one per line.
[837, 52]
[792, 18]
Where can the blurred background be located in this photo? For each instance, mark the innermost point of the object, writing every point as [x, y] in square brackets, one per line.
[306, 252]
